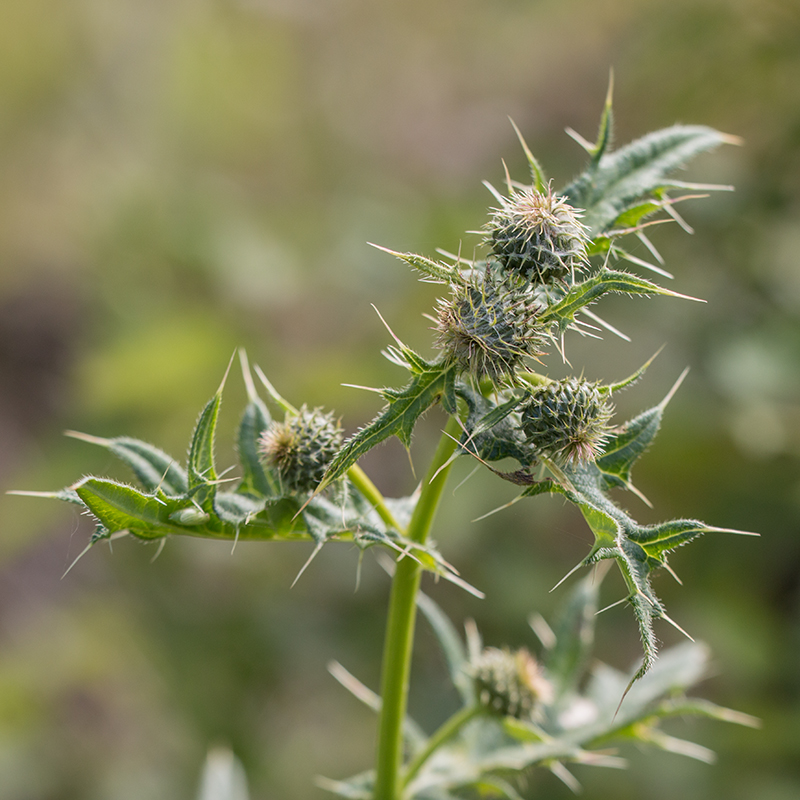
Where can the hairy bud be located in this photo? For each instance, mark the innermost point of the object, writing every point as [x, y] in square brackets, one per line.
[510, 683]
[487, 327]
[567, 420]
[301, 447]
[538, 236]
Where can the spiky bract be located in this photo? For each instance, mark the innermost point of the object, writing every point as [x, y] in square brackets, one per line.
[538, 235]
[488, 326]
[301, 447]
[567, 420]
[509, 683]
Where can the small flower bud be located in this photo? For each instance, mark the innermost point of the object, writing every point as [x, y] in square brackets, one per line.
[538, 236]
[487, 327]
[301, 447]
[510, 683]
[567, 420]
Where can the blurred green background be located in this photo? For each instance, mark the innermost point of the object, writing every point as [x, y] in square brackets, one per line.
[180, 177]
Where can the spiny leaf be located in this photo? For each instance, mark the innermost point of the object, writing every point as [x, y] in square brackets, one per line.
[202, 472]
[537, 173]
[433, 270]
[621, 180]
[255, 478]
[153, 467]
[605, 281]
[489, 434]
[359, 787]
[697, 707]
[453, 648]
[120, 507]
[414, 737]
[604, 131]
[625, 445]
[631, 379]
[638, 549]
[606, 128]
[237, 509]
[574, 632]
[436, 384]
[201, 451]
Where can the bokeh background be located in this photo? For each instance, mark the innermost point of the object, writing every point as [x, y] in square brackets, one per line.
[182, 177]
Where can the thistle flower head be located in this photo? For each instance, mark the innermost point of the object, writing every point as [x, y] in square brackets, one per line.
[567, 420]
[538, 235]
[510, 683]
[301, 447]
[488, 326]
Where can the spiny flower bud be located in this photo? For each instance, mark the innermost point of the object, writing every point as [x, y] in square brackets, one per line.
[538, 236]
[567, 420]
[510, 683]
[301, 447]
[487, 327]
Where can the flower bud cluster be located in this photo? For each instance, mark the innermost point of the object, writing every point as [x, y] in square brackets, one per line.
[566, 420]
[301, 447]
[538, 236]
[510, 683]
[495, 318]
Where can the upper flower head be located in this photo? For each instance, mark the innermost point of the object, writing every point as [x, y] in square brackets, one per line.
[538, 235]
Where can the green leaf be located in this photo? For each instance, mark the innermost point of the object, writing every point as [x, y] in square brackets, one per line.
[359, 787]
[604, 131]
[238, 509]
[622, 180]
[537, 173]
[524, 731]
[566, 661]
[256, 479]
[153, 467]
[605, 281]
[414, 736]
[435, 271]
[697, 707]
[453, 648]
[120, 507]
[606, 127]
[489, 433]
[626, 444]
[202, 471]
[433, 385]
[638, 549]
[67, 495]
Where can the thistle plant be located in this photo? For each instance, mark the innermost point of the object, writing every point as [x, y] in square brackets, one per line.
[550, 255]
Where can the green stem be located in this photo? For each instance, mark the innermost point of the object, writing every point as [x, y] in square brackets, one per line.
[399, 640]
[361, 481]
[445, 732]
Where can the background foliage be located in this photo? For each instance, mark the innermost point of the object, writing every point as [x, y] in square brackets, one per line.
[183, 177]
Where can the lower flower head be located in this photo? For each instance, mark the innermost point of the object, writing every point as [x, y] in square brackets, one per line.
[301, 447]
[567, 420]
[510, 683]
